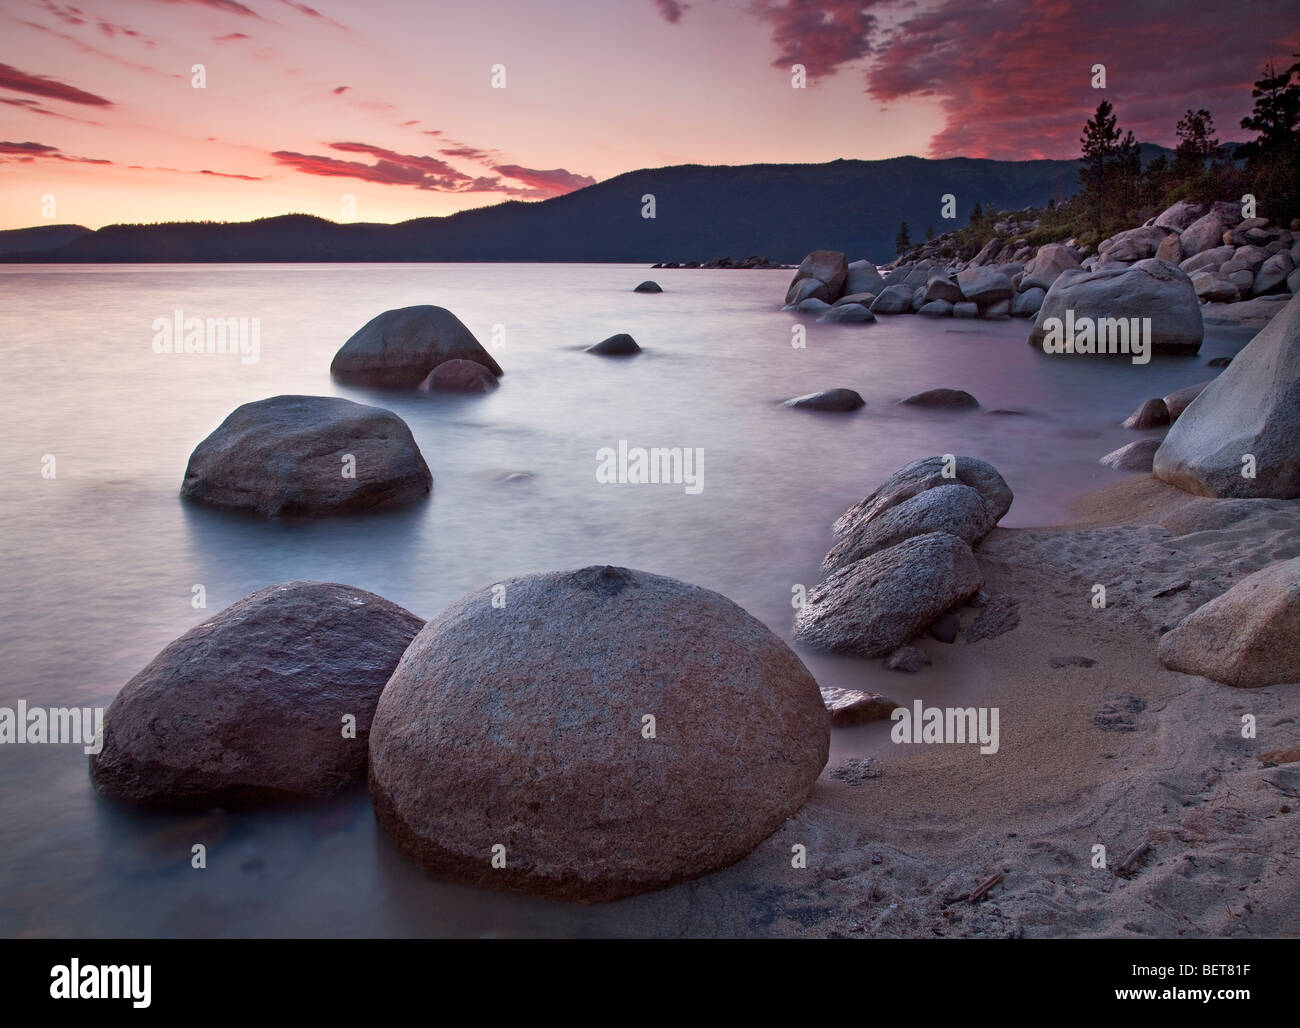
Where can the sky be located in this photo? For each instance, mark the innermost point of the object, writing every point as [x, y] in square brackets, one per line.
[383, 110]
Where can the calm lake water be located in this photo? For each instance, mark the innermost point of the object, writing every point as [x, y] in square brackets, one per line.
[98, 563]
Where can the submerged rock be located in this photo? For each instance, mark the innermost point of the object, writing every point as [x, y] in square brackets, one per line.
[398, 349]
[958, 398]
[620, 345]
[649, 287]
[667, 744]
[292, 455]
[830, 399]
[1152, 414]
[847, 314]
[853, 707]
[254, 702]
[459, 376]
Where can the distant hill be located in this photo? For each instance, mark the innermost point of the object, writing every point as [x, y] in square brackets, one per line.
[780, 211]
[42, 237]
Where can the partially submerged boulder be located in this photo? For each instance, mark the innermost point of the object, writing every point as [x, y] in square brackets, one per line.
[953, 398]
[953, 508]
[893, 299]
[847, 314]
[256, 701]
[827, 267]
[928, 473]
[1241, 436]
[1152, 414]
[872, 606]
[459, 376]
[649, 286]
[668, 744]
[829, 400]
[1136, 456]
[619, 345]
[398, 349]
[307, 456]
[1149, 289]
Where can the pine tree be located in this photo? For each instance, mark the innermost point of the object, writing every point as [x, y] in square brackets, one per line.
[1275, 155]
[1111, 166]
[1196, 142]
[903, 240]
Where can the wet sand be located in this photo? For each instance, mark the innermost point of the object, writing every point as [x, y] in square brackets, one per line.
[1116, 754]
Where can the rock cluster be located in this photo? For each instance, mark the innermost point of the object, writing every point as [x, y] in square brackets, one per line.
[903, 558]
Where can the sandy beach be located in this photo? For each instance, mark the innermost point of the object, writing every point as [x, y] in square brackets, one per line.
[1119, 753]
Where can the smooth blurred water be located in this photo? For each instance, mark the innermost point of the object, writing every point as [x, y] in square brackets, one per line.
[97, 564]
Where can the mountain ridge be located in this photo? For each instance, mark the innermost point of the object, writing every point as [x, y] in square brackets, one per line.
[779, 211]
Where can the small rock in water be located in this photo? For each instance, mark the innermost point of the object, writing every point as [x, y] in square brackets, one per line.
[1218, 362]
[942, 398]
[648, 287]
[946, 628]
[1152, 414]
[853, 707]
[847, 314]
[459, 376]
[907, 658]
[1135, 456]
[620, 345]
[1060, 662]
[830, 399]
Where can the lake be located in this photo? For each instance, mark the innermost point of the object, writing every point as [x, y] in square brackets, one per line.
[99, 562]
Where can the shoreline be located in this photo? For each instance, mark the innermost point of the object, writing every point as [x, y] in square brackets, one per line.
[1120, 753]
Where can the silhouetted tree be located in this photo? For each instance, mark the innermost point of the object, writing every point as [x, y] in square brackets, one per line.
[903, 240]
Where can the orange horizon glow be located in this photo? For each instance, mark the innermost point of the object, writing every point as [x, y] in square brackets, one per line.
[388, 111]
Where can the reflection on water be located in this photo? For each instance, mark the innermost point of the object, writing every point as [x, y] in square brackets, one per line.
[98, 563]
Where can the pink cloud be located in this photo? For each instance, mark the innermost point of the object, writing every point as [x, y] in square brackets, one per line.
[39, 85]
[556, 182]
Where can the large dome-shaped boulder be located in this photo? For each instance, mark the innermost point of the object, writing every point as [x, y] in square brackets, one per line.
[309, 456]
[667, 742]
[255, 702]
[398, 349]
[1150, 288]
[1246, 420]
